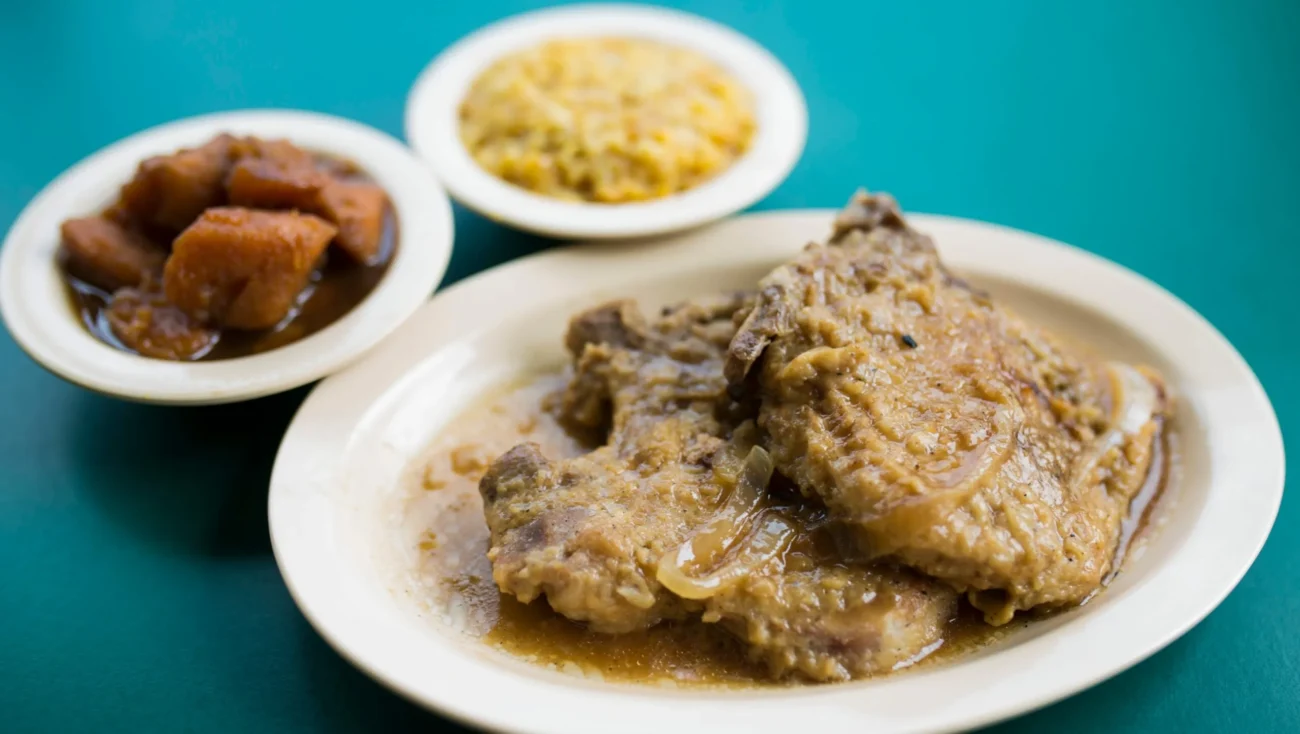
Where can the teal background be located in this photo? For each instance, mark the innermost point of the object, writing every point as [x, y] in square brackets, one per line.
[137, 588]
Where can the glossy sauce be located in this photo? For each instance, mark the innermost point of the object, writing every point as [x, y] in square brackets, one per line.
[453, 542]
[337, 286]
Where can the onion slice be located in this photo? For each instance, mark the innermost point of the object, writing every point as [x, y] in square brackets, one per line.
[743, 509]
[1135, 402]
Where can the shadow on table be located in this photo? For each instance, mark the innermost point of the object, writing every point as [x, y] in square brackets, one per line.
[348, 701]
[193, 480]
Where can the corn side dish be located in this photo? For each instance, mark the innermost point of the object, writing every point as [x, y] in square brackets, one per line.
[607, 120]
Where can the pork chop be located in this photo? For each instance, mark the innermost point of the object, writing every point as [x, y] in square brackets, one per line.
[588, 532]
[671, 517]
[945, 431]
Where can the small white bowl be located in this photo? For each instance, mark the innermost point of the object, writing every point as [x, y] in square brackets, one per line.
[432, 123]
[35, 305]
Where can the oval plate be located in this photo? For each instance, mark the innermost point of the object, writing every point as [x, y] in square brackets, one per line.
[335, 498]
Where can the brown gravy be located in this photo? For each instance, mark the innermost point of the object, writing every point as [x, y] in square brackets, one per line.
[452, 552]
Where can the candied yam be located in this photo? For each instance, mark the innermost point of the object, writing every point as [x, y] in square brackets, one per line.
[106, 255]
[170, 191]
[357, 209]
[278, 151]
[339, 167]
[139, 197]
[148, 325]
[243, 268]
[267, 184]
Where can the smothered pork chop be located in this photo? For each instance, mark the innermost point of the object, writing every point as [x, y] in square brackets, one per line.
[671, 518]
[827, 469]
[944, 430]
[589, 531]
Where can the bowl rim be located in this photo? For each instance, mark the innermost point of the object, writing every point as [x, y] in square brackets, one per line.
[35, 306]
[1244, 481]
[432, 127]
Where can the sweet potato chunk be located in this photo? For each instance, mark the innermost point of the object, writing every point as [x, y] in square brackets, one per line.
[242, 268]
[170, 191]
[357, 209]
[278, 151]
[274, 174]
[148, 325]
[267, 184]
[107, 255]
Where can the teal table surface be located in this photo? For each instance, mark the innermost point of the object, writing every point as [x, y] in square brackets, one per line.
[137, 588]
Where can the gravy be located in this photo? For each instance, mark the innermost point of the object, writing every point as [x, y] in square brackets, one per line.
[452, 550]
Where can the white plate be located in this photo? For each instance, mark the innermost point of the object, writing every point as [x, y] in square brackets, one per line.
[35, 305]
[336, 479]
[432, 125]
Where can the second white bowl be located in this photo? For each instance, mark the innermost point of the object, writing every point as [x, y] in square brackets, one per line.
[432, 123]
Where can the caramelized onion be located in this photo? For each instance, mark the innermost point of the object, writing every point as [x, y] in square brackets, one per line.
[1135, 402]
[740, 524]
[770, 536]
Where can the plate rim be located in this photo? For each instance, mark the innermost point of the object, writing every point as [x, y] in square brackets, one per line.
[431, 128]
[1263, 415]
